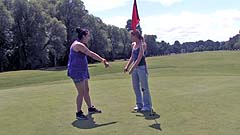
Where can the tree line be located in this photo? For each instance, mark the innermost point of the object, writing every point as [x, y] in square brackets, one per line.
[38, 33]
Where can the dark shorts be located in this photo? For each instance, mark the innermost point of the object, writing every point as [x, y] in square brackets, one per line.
[77, 80]
[79, 76]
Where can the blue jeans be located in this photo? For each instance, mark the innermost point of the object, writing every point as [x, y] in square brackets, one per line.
[140, 78]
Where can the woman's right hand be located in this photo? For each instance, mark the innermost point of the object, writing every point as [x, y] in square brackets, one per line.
[125, 69]
[106, 64]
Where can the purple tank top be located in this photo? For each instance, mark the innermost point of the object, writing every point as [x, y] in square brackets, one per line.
[77, 65]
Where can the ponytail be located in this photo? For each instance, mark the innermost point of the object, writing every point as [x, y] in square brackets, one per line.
[81, 32]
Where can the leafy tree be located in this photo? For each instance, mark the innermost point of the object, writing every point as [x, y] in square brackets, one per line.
[176, 48]
[114, 36]
[163, 48]
[55, 39]
[35, 34]
[71, 12]
[236, 45]
[125, 37]
[128, 26]
[5, 35]
[38, 33]
[29, 35]
[55, 33]
[232, 43]
[151, 45]
[99, 42]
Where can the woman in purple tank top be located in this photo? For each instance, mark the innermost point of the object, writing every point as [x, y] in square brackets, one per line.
[78, 71]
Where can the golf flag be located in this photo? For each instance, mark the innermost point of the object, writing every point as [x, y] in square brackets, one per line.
[135, 17]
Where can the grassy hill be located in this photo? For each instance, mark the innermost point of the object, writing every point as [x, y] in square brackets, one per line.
[195, 93]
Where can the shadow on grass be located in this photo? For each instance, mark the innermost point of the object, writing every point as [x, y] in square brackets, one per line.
[156, 125]
[89, 65]
[151, 116]
[59, 68]
[90, 123]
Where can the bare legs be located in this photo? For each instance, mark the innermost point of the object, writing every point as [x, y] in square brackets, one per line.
[83, 92]
[87, 97]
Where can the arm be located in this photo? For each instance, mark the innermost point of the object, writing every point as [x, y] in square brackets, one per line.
[128, 64]
[82, 48]
[129, 61]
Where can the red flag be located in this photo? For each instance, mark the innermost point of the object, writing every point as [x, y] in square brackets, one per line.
[135, 17]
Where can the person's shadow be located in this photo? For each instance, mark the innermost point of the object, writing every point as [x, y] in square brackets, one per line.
[90, 123]
[151, 116]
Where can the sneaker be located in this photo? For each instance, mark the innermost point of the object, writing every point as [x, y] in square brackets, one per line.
[93, 110]
[145, 109]
[136, 109]
[81, 116]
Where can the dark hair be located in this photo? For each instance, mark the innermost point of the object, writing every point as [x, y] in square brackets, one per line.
[81, 32]
[137, 33]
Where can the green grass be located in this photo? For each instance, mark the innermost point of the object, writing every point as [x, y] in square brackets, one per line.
[194, 94]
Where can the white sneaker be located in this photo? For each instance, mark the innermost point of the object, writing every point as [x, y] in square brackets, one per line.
[137, 109]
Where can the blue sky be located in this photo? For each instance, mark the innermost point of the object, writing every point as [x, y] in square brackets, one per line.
[171, 20]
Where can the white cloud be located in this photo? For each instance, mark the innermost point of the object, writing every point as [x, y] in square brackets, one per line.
[165, 2]
[188, 26]
[119, 21]
[185, 26]
[101, 5]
